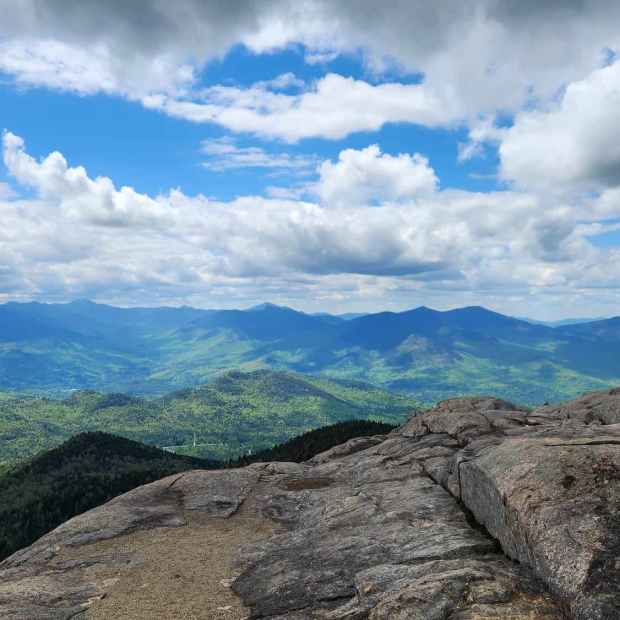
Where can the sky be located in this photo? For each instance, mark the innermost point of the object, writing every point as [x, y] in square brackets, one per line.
[349, 156]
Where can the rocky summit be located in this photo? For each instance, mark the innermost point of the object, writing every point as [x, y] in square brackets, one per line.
[475, 509]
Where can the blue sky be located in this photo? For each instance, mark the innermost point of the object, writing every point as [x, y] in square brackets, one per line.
[153, 152]
[325, 156]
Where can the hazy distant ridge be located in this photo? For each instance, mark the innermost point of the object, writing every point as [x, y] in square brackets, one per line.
[56, 348]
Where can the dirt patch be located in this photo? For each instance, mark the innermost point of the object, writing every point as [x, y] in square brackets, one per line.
[181, 573]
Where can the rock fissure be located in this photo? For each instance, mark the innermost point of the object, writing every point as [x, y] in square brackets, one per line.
[175, 481]
[585, 443]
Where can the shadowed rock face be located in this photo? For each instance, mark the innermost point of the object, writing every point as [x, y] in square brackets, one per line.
[424, 523]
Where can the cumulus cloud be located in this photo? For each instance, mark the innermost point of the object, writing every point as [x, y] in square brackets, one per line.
[368, 176]
[572, 144]
[96, 201]
[606, 204]
[482, 131]
[538, 80]
[89, 70]
[320, 57]
[6, 191]
[128, 48]
[475, 58]
[284, 81]
[174, 248]
[487, 55]
[332, 107]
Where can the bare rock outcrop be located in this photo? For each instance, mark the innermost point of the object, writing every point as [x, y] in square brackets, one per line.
[545, 484]
[477, 508]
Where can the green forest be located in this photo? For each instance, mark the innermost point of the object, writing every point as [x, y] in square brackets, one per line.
[314, 442]
[234, 414]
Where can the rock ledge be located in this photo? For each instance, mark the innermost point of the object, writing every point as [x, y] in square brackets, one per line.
[475, 509]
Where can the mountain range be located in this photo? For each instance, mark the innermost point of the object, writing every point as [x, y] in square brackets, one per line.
[57, 348]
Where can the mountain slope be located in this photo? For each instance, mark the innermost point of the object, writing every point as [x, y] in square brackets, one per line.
[266, 322]
[55, 349]
[235, 413]
[80, 474]
[470, 351]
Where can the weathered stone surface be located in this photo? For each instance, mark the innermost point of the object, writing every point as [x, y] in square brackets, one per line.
[346, 528]
[421, 524]
[381, 540]
[456, 589]
[348, 447]
[555, 505]
[594, 408]
[44, 581]
[546, 485]
[218, 493]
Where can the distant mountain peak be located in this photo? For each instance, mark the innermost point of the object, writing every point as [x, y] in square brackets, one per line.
[269, 306]
[480, 309]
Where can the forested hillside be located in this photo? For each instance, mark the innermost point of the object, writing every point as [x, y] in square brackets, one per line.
[82, 473]
[304, 447]
[235, 413]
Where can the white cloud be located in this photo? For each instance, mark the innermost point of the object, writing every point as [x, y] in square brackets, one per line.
[129, 48]
[369, 177]
[333, 107]
[481, 131]
[283, 81]
[476, 57]
[548, 65]
[575, 144]
[90, 70]
[606, 205]
[291, 192]
[225, 154]
[320, 57]
[95, 201]
[482, 56]
[6, 191]
[85, 237]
